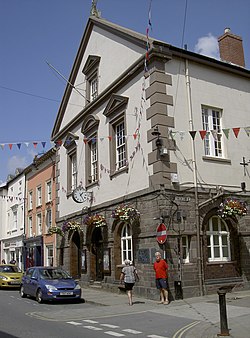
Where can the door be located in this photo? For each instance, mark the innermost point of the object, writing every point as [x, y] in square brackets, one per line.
[97, 245]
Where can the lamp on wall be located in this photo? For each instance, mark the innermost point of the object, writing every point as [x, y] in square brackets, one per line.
[159, 142]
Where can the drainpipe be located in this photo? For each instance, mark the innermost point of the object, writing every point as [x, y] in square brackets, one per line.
[194, 166]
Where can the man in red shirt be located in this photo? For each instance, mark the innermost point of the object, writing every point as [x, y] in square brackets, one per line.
[161, 270]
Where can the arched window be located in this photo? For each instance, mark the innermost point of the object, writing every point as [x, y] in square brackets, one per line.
[126, 243]
[218, 240]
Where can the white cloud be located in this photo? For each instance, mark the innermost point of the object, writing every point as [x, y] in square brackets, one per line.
[16, 162]
[208, 45]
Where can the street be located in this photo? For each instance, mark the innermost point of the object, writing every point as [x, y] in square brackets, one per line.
[26, 318]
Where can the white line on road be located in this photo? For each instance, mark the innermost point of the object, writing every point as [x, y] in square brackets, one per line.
[110, 326]
[116, 334]
[93, 328]
[74, 323]
[90, 321]
[131, 331]
[155, 336]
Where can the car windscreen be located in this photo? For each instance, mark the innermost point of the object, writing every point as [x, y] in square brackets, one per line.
[9, 269]
[54, 274]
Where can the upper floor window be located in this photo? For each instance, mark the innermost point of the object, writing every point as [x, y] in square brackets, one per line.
[48, 218]
[90, 130]
[39, 224]
[91, 74]
[71, 146]
[14, 219]
[48, 191]
[30, 202]
[30, 229]
[39, 196]
[218, 240]
[211, 120]
[120, 145]
[115, 111]
[126, 243]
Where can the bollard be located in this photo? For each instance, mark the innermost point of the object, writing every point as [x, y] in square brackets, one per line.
[223, 313]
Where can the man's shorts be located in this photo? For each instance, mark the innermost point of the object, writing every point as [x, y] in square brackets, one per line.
[161, 283]
[129, 286]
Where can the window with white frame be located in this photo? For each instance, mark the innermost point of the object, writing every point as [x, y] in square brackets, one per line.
[126, 243]
[49, 255]
[49, 191]
[73, 162]
[48, 218]
[30, 229]
[39, 224]
[185, 248]
[30, 200]
[211, 120]
[93, 160]
[218, 240]
[14, 219]
[38, 196]
[93, 83]
[120, 145]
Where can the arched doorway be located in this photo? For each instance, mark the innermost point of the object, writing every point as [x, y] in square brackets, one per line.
[75, 255]
[97, 254]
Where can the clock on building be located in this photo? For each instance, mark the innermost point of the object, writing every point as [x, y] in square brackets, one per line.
[80, 195]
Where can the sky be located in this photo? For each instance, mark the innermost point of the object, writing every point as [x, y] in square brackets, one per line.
[34, 33]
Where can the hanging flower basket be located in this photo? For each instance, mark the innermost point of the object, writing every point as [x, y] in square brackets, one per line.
[55, 230]
[232, 207]
[95, 220]
[125, 213]
[71, 226]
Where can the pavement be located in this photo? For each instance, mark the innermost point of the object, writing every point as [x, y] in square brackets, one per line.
[203, 311]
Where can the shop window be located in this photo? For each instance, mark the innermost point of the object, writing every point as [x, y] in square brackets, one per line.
[218, 240]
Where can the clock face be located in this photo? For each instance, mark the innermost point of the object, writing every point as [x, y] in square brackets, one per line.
[79, 195]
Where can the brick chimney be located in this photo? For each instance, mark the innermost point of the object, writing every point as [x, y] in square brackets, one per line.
[231, 48]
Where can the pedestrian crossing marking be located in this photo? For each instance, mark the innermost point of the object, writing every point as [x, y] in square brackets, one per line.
[116, 334]
[131, 331]
[90, 321]
[74, 323]
[155, 336]
[110, 326]
[93, 328]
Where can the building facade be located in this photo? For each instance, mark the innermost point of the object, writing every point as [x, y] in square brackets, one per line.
[160, 138]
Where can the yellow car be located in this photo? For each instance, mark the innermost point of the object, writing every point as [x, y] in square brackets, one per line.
[10, 276]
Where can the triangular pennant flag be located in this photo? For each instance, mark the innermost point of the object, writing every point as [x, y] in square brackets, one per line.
[215, 134]
[192, 133]
[101, 138]
[203, 134]
[236, 131]
[10, 145]
[27, 144]
[247, 130]
[2, 146]
[18, 145]
[85, 140]
[135, 136]
[35, 144]
[59, 142]
[226, 132]
[43, 144]
[93, 140]
[110, 138]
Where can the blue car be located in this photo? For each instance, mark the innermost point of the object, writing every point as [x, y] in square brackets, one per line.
[49, 284]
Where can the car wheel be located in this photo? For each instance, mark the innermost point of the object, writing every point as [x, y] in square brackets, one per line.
[22, 293]
[39, 296]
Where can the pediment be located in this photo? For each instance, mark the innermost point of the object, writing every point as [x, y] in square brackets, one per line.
[90, 123]
[115, 103]
[91, 63]
[70, 140]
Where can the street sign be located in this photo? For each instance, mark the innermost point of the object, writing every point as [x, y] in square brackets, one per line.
[161, 233]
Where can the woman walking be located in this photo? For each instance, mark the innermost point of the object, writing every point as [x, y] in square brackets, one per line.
[129, 276]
